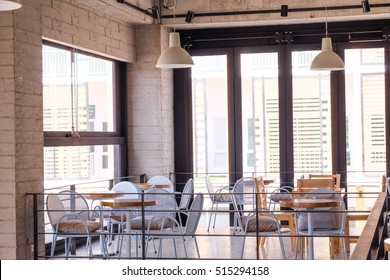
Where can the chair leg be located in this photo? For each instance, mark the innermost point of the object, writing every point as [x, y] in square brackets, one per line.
[215, 214]
[211, 216]
[53, 245]
[282, 246]
[196, 245]
[242, 248]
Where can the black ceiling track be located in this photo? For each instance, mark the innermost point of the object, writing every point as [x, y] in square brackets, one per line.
[347, 31]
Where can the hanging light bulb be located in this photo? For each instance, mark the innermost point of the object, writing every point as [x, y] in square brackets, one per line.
[174, 56]
[327, 59]
[9, 5]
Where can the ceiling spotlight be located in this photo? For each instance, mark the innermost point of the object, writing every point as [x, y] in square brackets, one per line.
[190, 16]
[284, 10]
[366, 6]
[155, 13]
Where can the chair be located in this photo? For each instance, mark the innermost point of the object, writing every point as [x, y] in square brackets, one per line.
[131, 191]
[307, 185]
[336, 178]
[324, 224]
[287, 219]
[194, 215]
[186, 195]
[158, 217]
[161, 180]
[70, 217]
[251, 219]
[217, 197]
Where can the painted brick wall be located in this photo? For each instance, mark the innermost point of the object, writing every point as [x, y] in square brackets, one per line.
[150, 106]
[21, 141]
[73, 24]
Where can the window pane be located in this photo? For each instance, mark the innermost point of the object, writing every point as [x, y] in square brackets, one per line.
[365, 106]
[260, 112]
[209, 89]
[79, 93]
[311, 116]
[80, 164]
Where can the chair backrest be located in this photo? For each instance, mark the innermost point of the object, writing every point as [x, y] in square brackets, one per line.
[130, 189]
[336, 178]
[166, 201]
[187, 194]
[263, 192]
[194, 214]
[333, 220]
[307, 185]
[64, 203]
[159, 180]
[246, 192]
[209, 185]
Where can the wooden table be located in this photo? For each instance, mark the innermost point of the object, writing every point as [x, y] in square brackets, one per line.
[126, 205]
[147, 186]
[310, 205]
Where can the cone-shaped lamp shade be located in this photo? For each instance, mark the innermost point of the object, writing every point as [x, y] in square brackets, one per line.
[174, 56]
[9, 5]
[327, 59]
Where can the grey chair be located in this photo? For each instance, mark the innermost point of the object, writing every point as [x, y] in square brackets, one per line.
[329, 221]
[217, 197]
[70, 217]
[189, 230]
[253, 221]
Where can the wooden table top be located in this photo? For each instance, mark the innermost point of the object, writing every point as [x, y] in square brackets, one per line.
[147, 186]
[103, 195]
[387, 244]
[310, 203]
[118, 203]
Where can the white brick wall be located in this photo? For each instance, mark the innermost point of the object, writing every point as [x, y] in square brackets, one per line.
[73, 24]
[150, 106]
[21, 124]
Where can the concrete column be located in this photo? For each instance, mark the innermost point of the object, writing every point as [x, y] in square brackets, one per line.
[150, 106]
[21, 127]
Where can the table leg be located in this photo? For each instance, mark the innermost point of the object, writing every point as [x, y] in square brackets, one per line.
[128, 236]
[310, 248]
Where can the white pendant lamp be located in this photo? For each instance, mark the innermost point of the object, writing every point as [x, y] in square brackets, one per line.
[174, 56]
[327, 59]
[9, 5]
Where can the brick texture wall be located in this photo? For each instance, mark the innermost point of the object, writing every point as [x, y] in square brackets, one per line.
[73, 24]
[150, 106]
[21, 140]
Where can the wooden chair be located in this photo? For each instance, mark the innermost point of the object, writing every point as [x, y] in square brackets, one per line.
[281, 216]
[336, 178]
[306, 185]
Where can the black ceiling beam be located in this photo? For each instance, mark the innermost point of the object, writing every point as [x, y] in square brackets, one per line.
[277, 11]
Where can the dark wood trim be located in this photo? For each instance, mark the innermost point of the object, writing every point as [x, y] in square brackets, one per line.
[387, 107]
[183, 136]
[370, 243]
[82, 141]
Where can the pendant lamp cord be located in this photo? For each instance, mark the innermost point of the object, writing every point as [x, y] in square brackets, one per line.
[326, 19]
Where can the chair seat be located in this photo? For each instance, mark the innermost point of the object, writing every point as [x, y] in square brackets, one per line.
[222, 197]
[78, 226]
[277, 197]
[151, 222]
[265, 224]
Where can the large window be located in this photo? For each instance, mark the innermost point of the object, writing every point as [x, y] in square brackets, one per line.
[210, 129]
[311, 116]
[260, 113]
[79, 101]
[365, 107]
